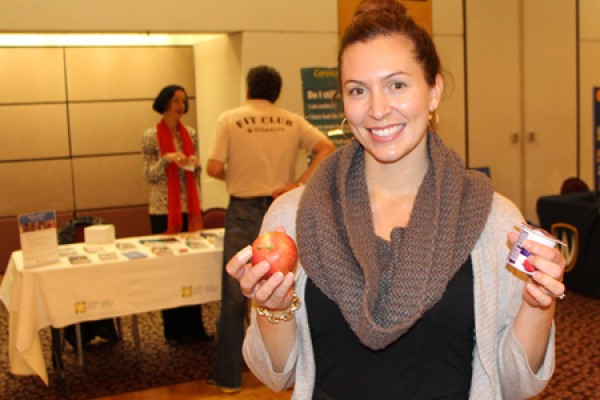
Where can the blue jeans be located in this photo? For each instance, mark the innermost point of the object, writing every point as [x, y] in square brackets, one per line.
[242, 226]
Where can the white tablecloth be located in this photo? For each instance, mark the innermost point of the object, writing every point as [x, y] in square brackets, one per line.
[64, 293]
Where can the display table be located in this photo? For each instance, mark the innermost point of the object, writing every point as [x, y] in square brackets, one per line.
[575, 219]
[172, 274]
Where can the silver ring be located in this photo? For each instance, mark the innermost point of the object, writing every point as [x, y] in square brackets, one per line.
[558, 296]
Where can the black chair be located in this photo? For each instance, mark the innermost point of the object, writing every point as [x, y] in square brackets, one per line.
[573, 185]
[574, 218]
[483, 170]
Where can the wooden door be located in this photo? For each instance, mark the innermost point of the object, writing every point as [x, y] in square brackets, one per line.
[494, 92]
[550, 98]
[522, 92]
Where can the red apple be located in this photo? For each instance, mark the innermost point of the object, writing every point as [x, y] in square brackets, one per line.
[276, 248]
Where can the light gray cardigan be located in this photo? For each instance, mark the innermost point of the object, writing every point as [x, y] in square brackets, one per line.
[500, 368]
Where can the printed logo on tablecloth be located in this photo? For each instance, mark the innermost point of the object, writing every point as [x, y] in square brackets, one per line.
[80, 307]
[569, 235]
[186, 291]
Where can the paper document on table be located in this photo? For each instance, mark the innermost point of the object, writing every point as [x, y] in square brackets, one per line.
[190, 168]
[132, 255]
[39, 242]
[108, 256]
[79, 259]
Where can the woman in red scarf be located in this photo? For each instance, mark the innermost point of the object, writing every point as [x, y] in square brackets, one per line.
[173, 170]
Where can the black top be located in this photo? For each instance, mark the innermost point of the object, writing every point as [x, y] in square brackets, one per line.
[431, 361]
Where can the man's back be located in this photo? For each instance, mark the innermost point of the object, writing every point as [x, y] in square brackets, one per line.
[259, 143]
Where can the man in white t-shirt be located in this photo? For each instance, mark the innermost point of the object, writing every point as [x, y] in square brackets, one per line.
[254, 152]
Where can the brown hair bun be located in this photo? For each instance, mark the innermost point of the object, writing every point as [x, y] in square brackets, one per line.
[366, 6]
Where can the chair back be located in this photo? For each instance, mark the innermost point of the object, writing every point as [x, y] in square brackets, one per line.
[72, 231]
[214, 217]
[573, 185]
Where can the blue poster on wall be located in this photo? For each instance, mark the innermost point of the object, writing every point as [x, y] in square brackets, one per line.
[597, 139]
[322, 100]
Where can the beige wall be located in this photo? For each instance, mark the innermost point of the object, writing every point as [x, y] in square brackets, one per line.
[198, 16]
[222, 88]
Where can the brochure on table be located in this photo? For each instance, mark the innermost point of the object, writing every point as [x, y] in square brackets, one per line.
[39, 243]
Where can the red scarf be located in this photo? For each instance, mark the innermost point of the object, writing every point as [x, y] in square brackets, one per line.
[166, 145]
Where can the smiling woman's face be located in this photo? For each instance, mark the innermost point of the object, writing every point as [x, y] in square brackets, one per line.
[176, 107]
[387, 100]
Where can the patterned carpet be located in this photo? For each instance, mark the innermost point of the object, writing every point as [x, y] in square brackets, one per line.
[113, 369]
[577, 374]
[118, 369]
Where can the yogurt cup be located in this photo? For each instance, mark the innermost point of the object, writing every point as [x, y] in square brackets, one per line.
[518, 254]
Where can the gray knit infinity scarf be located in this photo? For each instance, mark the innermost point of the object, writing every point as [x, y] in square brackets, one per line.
[382, 295]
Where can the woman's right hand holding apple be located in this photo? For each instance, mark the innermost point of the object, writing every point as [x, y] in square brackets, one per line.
[274, 293]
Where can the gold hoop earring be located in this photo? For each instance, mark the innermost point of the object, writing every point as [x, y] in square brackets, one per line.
[433, 120]
[341, 133]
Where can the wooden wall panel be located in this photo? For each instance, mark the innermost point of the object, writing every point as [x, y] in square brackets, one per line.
[420, 10]
[159, 16]
[589, 12]
[108, 108]
[31, 186]
[31, 75]
[109, 73]
[114, 127]
[109, 127]
[33, 131]
[447, 17]
[451, 113]
[128, 221]
[589, 79]
[110, 181]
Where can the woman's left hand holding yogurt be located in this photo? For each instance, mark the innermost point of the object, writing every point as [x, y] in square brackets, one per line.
[546, 283]
[533, 321]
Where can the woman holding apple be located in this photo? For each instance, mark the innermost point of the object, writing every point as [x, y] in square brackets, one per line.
[173, 170]
[402, 289]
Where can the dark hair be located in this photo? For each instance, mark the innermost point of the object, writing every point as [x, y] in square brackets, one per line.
[376, 18]
[263, 82]
[161, 102]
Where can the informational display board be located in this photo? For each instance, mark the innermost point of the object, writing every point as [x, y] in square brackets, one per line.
[39, 242]
[322, 99]
[597, 139]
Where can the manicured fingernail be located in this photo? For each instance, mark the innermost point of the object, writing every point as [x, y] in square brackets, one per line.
[246, 252]
[278, 275]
